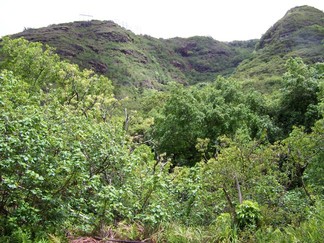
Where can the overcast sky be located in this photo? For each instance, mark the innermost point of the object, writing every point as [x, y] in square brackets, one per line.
[224, 20]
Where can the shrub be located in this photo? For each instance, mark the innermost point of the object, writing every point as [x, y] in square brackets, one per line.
[248, 214]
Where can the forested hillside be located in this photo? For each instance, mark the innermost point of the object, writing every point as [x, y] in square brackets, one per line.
[136, 61]
[141, 61]
[216, 161]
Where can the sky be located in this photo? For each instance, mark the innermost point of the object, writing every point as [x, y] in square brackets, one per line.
[224, 20]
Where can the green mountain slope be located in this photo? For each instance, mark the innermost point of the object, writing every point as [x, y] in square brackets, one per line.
[205, 57]
[299, 33]
[130, 59]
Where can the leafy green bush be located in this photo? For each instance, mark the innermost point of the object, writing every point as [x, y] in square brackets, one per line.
[248, 214]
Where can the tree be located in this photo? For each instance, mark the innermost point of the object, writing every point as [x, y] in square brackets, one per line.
[206, 111]
[298, 104]
[176, 130]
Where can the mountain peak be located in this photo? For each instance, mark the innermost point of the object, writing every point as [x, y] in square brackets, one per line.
[304, 8]
[299, 33]
[292, 25]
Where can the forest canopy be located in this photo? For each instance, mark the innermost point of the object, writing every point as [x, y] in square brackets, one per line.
[213, 162]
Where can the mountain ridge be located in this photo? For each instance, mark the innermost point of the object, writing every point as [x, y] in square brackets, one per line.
[141, 60]
[131, 60]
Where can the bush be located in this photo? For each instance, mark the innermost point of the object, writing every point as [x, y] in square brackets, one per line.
[248, 214]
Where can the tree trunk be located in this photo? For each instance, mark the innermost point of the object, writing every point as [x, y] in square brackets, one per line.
[126, 123]
[229, 202]
[238, 187]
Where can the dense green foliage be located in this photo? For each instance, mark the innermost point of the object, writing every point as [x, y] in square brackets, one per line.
[208, 111]
[300, 95]
[206, 163]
